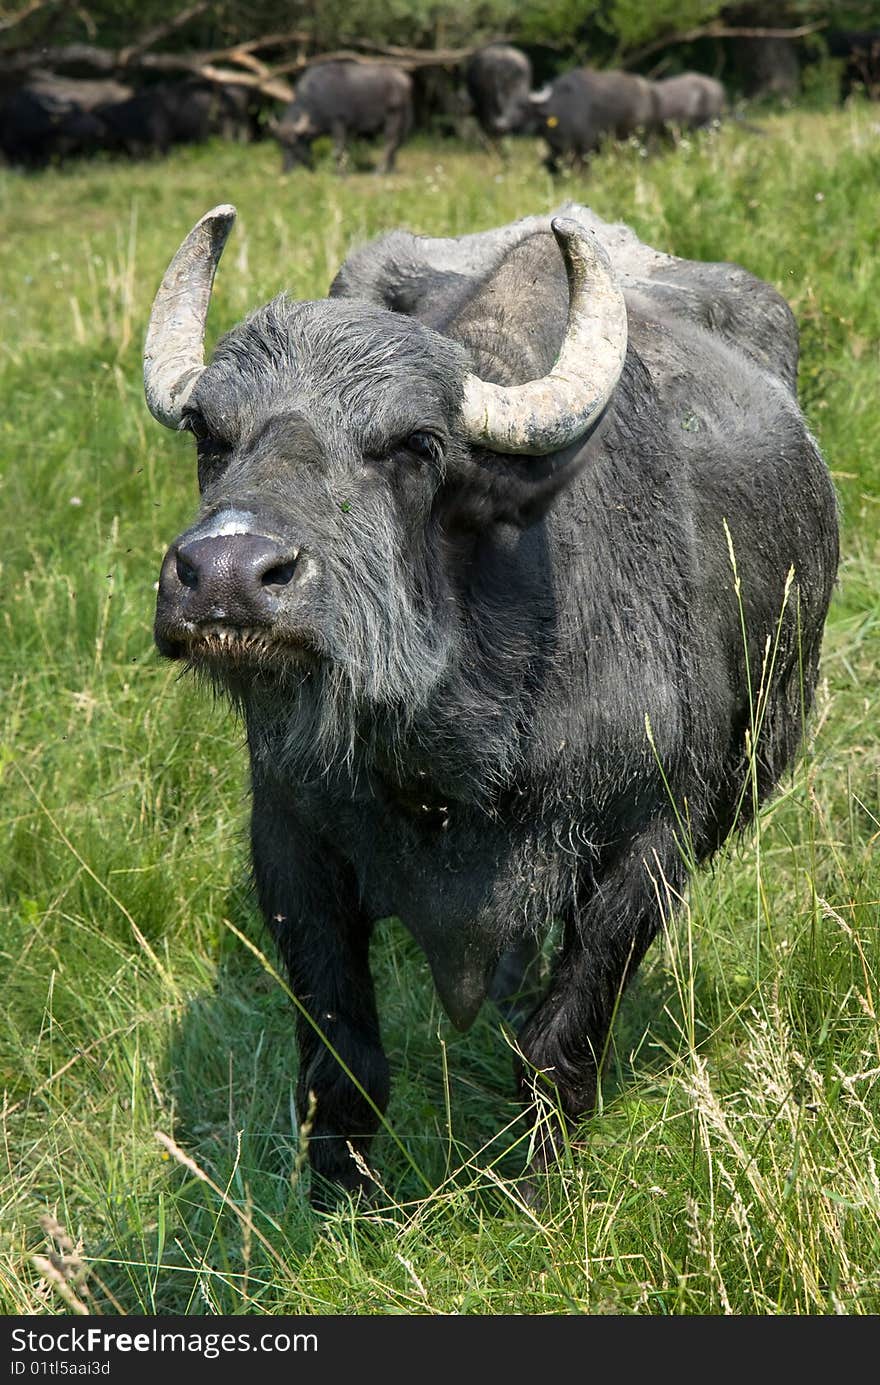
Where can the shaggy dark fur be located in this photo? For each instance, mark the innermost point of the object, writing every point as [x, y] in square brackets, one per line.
[502, 691]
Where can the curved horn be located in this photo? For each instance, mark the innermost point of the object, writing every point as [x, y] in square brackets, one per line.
[174, 355]
[544, 415]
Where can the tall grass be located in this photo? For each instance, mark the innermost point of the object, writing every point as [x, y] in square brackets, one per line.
[151, 1159]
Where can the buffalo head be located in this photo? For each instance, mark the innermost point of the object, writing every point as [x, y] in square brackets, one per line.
[295, 132]
[346, 455]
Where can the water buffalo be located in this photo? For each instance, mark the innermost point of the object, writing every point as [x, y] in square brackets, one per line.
[343, 99]
[584, 106]
[50, 117]
[464, 559]
[499, 80]
[158, 117]
[767, 67]
[441, 104]
[859, 52]
[689, 100]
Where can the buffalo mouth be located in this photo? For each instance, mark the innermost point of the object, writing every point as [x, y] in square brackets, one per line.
[219, 646]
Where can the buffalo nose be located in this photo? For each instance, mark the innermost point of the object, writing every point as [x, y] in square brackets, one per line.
[235, 578]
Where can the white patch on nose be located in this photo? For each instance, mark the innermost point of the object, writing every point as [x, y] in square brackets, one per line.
[228, 522]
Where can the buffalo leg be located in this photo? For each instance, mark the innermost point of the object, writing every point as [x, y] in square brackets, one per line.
[514, 986]
[395, 129]
[563, 1042]
[309, 900]
[340, 147]
[551, 163]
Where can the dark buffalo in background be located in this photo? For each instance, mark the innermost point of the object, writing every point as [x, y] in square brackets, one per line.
[50, 117]
[158, 117]
[499, 82]
[583, 107]
[766, 68]
[233, 112]
[859, 50]
[689, 101]
[343, 99]
[441, 104]
[464, 560]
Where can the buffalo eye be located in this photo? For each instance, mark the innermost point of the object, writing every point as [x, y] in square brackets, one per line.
[194, 422]
[212, 452]
[424, 444]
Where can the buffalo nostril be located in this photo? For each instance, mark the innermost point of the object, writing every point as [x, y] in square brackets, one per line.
[280, 575]
[187, 573]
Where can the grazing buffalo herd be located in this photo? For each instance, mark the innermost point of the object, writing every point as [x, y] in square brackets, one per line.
[51, 118]
[48, 118]
[582, 108]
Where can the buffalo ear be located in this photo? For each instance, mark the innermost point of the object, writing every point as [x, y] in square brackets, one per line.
[494, 489]
[542, 417]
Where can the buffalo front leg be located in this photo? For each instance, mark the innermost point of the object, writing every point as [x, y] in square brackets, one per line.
[394, 133]
[563, 1043]
[339, 132]
[309, 899]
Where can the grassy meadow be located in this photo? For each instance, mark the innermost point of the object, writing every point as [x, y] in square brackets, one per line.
[733, 1165]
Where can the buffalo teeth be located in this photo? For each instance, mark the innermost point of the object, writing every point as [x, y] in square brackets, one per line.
[240, 637]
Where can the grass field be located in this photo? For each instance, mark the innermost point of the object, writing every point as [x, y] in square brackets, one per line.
[733, 1165]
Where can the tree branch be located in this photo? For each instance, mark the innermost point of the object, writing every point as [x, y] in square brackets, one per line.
[26, 13]
[160, 31]
[717, 31]
[259, 75]
[271, 85]
[406, 58]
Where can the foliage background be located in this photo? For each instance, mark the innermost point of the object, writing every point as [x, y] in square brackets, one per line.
[582, 29]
